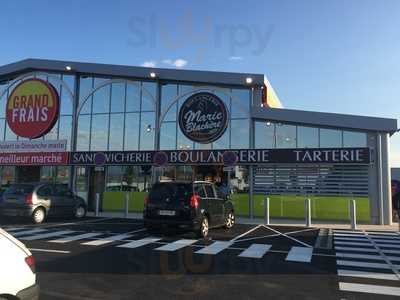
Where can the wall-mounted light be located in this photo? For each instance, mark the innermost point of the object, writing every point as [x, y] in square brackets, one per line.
[268, 123]
[153, 75]
[149, 128]
[68, 68]
[249, 80]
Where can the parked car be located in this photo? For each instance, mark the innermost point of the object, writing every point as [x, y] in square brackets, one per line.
[17, 272]
[39, 200]
[196, 205]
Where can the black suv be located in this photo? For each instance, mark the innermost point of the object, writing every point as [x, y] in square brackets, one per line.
[196, 205]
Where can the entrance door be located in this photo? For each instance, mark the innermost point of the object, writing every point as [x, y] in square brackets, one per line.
[97, 183]
[28, 174]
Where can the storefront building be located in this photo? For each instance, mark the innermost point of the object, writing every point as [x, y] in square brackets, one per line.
[113, 130]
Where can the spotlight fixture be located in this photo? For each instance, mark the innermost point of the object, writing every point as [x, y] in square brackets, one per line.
[68, 68]
[153, 75]
[249, 80]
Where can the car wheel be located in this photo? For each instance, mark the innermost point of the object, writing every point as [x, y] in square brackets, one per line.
[202, 232]
[80, 212]
[230, 220]
[38, 215]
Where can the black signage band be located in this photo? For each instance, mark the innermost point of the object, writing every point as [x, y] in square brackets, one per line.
[227, 157]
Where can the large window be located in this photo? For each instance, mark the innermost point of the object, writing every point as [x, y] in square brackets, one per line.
[264, 135]
[307, 137]
[269, 135]
[330, 138]
[354, 139]
[117, 116]
[285, 136]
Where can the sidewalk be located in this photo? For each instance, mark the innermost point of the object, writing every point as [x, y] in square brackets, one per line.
[281, 222]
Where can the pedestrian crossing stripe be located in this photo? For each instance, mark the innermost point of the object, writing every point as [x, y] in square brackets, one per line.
[353, 243]
[215, 247]
[362, 264]
[46, 235]
[371, 275]
[300, 254]
[174, 246]
[355, 249]
[140, 243]
[369, 288]
[107, 240]
[255, 251]
[27, 232]
[76, 237]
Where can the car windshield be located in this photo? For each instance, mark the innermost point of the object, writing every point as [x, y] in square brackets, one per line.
[173, 191]
[19, 189]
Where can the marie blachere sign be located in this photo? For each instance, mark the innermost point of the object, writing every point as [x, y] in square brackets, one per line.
[203, 118]
[32, 108]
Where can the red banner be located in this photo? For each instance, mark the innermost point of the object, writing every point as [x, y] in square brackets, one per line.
[38, 159]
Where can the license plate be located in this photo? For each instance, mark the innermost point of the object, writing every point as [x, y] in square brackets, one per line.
[166, 213]
[12, 200]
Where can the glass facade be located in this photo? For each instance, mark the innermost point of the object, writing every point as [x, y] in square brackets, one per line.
[116, 116]
[270, 135]
[237, 102]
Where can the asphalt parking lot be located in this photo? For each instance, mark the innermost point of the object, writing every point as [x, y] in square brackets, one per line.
[110, 258]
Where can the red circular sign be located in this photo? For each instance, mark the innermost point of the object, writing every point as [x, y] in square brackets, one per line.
[32, 108]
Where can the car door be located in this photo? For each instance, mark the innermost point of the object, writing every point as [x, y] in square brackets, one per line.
[220, 199]
[64, 198]
[45, 195]
[214, 205]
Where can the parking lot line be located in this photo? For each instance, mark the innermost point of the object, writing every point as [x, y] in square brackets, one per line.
[107, 240]
[214, 248]
[27, 232]
[49, 250]
[46, 235]
[355, 249]
[139, 243]
[300, 254]
[362, 264]
[369, 288]
[176, 245]
[289, 237]
[76, 237]
[255, 251]
[363, 274]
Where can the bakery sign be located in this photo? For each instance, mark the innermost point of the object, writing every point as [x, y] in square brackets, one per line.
[203, 118]
[32, 108]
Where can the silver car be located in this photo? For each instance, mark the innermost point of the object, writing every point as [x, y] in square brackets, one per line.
[39, 200]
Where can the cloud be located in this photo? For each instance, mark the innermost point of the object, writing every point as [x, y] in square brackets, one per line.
[178, 63]
[235, 58]
[149, 64]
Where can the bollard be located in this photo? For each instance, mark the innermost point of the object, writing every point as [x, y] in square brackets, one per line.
[97, 204]
[352, 209]
[307, 210]
[266, 210]
[126, 205]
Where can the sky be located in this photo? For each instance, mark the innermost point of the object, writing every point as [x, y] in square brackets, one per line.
[334, 56]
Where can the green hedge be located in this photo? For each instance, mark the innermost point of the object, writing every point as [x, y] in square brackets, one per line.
[285, 206]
